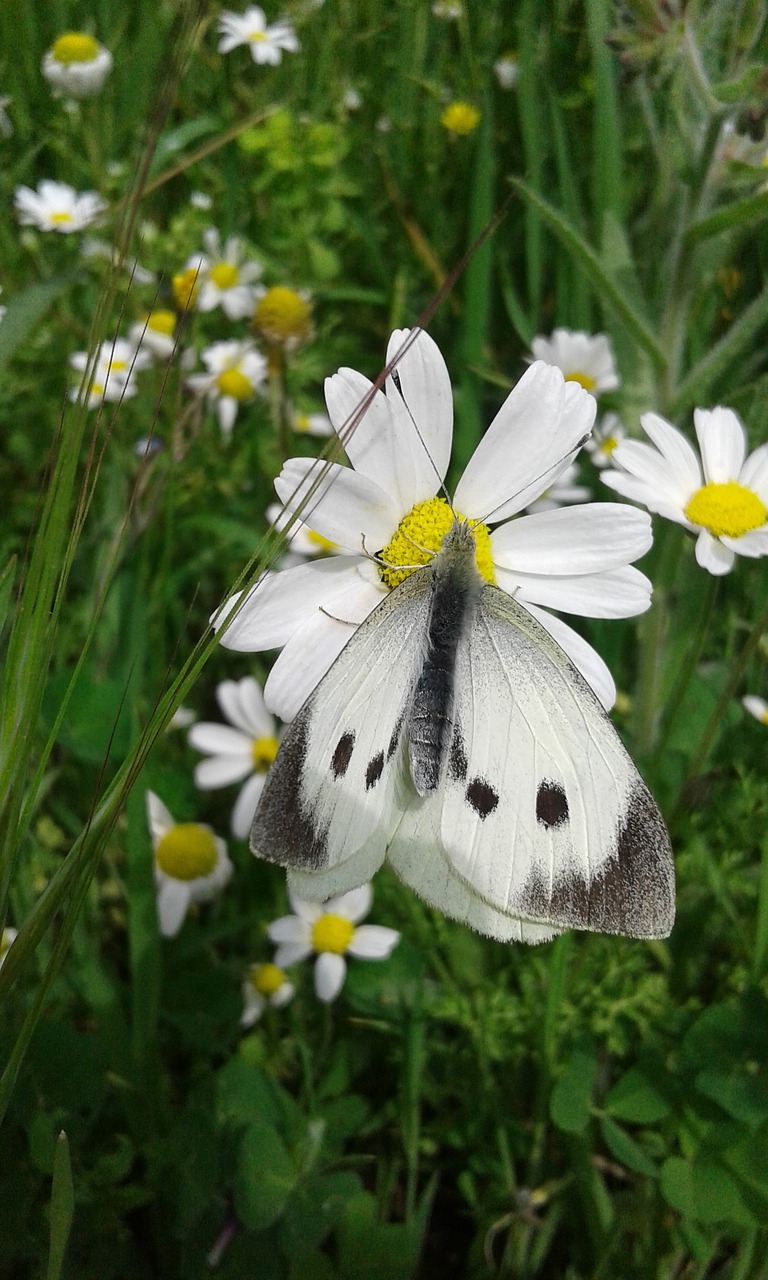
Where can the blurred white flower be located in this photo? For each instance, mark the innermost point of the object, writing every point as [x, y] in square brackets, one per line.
[506, 70]
[223, 278]
[56, 207]
[76, 65]
[605, 436]
[191, 865]
[331, 932]
[301, 540]
[312, 424]
[111, 374]
[267, 44]
[155, 333]
[235, 373]
[352, 100]
[199, 200]
[562, 493]
[265, 985]
[7, 936]
[449, 10]
[583, 357]
[756, 707]
[242, 749]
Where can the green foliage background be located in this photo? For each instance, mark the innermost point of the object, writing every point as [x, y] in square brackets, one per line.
[590, 1108]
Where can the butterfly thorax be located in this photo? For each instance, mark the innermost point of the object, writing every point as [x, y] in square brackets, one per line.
[456, 589]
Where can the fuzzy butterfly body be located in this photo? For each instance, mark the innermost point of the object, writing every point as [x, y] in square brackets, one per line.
[454, 737]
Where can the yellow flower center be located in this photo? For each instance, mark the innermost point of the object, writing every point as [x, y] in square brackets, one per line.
[223, 275]
[118, 366]
[184, 287]
[607, 445]
[161, 322]
[60, 217]
[282, 315]
[460, 118]
[97, 388]
[583, 379]
[263, 751]
[420, 534]
[301, 422]
[727, 510]
[256, 36]
[332, 933]
[74, 46]
[231, 382]
[266, 979]
[186, 852]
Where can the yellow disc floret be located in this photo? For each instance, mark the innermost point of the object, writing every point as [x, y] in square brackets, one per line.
[231, 382]
[61, 217]
[460, 118]
[283, 316]
[161, 322]
[74, 46]
[584, 380]
[187, 851]
[184, 287]
[266, 979]
[420, 535]
[263, 751]
[223, 275]
[726, 510]
[332, 933]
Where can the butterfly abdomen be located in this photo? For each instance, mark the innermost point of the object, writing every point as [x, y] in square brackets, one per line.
[455, 594]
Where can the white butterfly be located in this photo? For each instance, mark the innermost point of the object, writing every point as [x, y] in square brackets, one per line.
[454, 737]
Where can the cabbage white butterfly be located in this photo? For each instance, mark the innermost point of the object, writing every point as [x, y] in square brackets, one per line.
[454, 737]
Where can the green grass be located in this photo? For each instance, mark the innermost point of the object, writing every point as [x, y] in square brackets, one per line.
[590, 1108]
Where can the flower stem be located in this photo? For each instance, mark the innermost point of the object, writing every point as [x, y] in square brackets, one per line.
[686, 670]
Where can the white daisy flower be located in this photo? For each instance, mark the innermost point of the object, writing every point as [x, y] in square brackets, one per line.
[7, 936]
[605, 436]
[155, 333]
[200, 200]
[506, 70]
[722, 496]
[112, 374]
[56, 207]
[223, 278]
[352, 100]
[76, 65]
[265, 985]
[235, 373]
[242, 749]
[575, 559]
[191, 865]
[584, 358]
[756, 707]
[448, 10]
[330, 931]
[267, 44]
[563, 492]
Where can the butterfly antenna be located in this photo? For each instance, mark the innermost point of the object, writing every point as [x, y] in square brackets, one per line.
[565, 457]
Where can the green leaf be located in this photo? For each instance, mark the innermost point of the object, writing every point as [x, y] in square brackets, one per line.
[62, 1207]
[25, 310]
[739, 213]
[371, 1250]
[635, 1099]
[265, 1177]
[702, 381]
[570, 1105]
[626, 1150]
[742, 1094]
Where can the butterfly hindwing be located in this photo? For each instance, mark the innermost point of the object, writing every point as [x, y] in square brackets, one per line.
[544, 814]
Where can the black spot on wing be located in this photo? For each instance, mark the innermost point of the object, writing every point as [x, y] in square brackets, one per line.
[631, 893]
[457, 760]
[283, 831]
[398, 729]
[482, 797]
[342, 755]
[374, 770]
[551, 805]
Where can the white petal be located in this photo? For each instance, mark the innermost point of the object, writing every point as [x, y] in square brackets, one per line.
[373, 942]
[159, 818]
[282, 996]
[306, 909]
[226, 412]
[754, 543]
[615, 593]
[578, 540]
[173, 898]
[354, 905]
[712, 555]
[424, 397]
[219, 739]
[290, 929]
[756, 707]
[220, 771]
[330, 971]
[581, 653]
[242, 702]
[754, 473]
[529, 443]
[346, 507]
[723, 444]
[659, 494]
[245, 806]
[291, 953]
[253, 1005]
[281, 602]
[684, 468]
